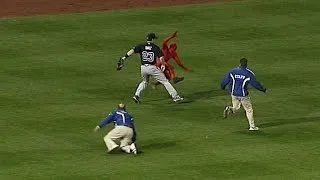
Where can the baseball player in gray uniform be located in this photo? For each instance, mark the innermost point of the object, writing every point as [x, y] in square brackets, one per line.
[149, 53]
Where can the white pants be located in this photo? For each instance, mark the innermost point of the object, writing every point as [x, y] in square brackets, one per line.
[152, 70]
[122, 133]
[237, 101]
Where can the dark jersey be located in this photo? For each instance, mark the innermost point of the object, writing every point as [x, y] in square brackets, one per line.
[149, 52]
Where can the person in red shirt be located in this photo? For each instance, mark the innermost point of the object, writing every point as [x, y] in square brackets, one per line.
[170, 52]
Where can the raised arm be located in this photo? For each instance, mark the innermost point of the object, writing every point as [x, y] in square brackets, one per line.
[167, 39]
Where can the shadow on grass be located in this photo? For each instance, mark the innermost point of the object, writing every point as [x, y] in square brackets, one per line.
[253, 133]
[169, 101]
[157, 145]
[205, 94]
[276, 123]
[288, 121]
[189, 98]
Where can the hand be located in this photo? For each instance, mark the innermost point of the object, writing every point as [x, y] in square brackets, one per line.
[175, 34]
[120, 64]
[162, 67]
[96, 129]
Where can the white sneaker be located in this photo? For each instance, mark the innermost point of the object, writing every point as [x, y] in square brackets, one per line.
[177, 98]
[133, 148]
[253, 128]
[226, 112]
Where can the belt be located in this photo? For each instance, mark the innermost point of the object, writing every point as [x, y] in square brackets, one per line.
[125, 125]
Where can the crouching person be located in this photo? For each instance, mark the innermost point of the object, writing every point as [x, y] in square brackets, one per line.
[123, 131]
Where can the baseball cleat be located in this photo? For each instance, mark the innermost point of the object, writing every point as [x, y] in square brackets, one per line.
[177, 79]
[253, 128]
[226, 112]
[177, 99]
[136, 99]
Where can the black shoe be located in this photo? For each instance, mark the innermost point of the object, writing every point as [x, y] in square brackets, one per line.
[177, 79]
[136, 99]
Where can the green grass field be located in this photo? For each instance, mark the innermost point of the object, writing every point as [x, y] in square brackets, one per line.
[58, 80]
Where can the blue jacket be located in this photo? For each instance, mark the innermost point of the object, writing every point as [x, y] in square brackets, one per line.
[238, 80]
[118, 118]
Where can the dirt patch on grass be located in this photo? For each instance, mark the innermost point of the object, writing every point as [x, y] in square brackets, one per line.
[9, 8]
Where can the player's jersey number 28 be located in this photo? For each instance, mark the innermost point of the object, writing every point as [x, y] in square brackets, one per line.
[147, 56]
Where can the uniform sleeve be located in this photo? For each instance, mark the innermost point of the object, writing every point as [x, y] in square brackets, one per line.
[107, 120]
[256, 84]
[137, 48]
[226, 80]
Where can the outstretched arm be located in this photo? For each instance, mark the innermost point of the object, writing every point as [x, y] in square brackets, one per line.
[167, 39]
[104, 122]
[256, 84]
[178, 61]
[120, 63]
[128, 54]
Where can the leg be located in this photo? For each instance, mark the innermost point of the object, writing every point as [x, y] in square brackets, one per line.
[247, 105]
[160, 77]
[236, 104]
[126, 142]
[167, 75]
[172, 74]
[109, 139]
[143, 84]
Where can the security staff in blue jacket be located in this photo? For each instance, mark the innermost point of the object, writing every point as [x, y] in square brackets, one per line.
[238, 80]
[124, 130]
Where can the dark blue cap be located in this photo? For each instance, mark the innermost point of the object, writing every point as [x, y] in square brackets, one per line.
[151, 36]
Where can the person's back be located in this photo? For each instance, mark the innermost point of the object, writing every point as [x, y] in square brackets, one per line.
[122, 118]
[119, 117]
[238, 80]
[241, 78]
[149, 52]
